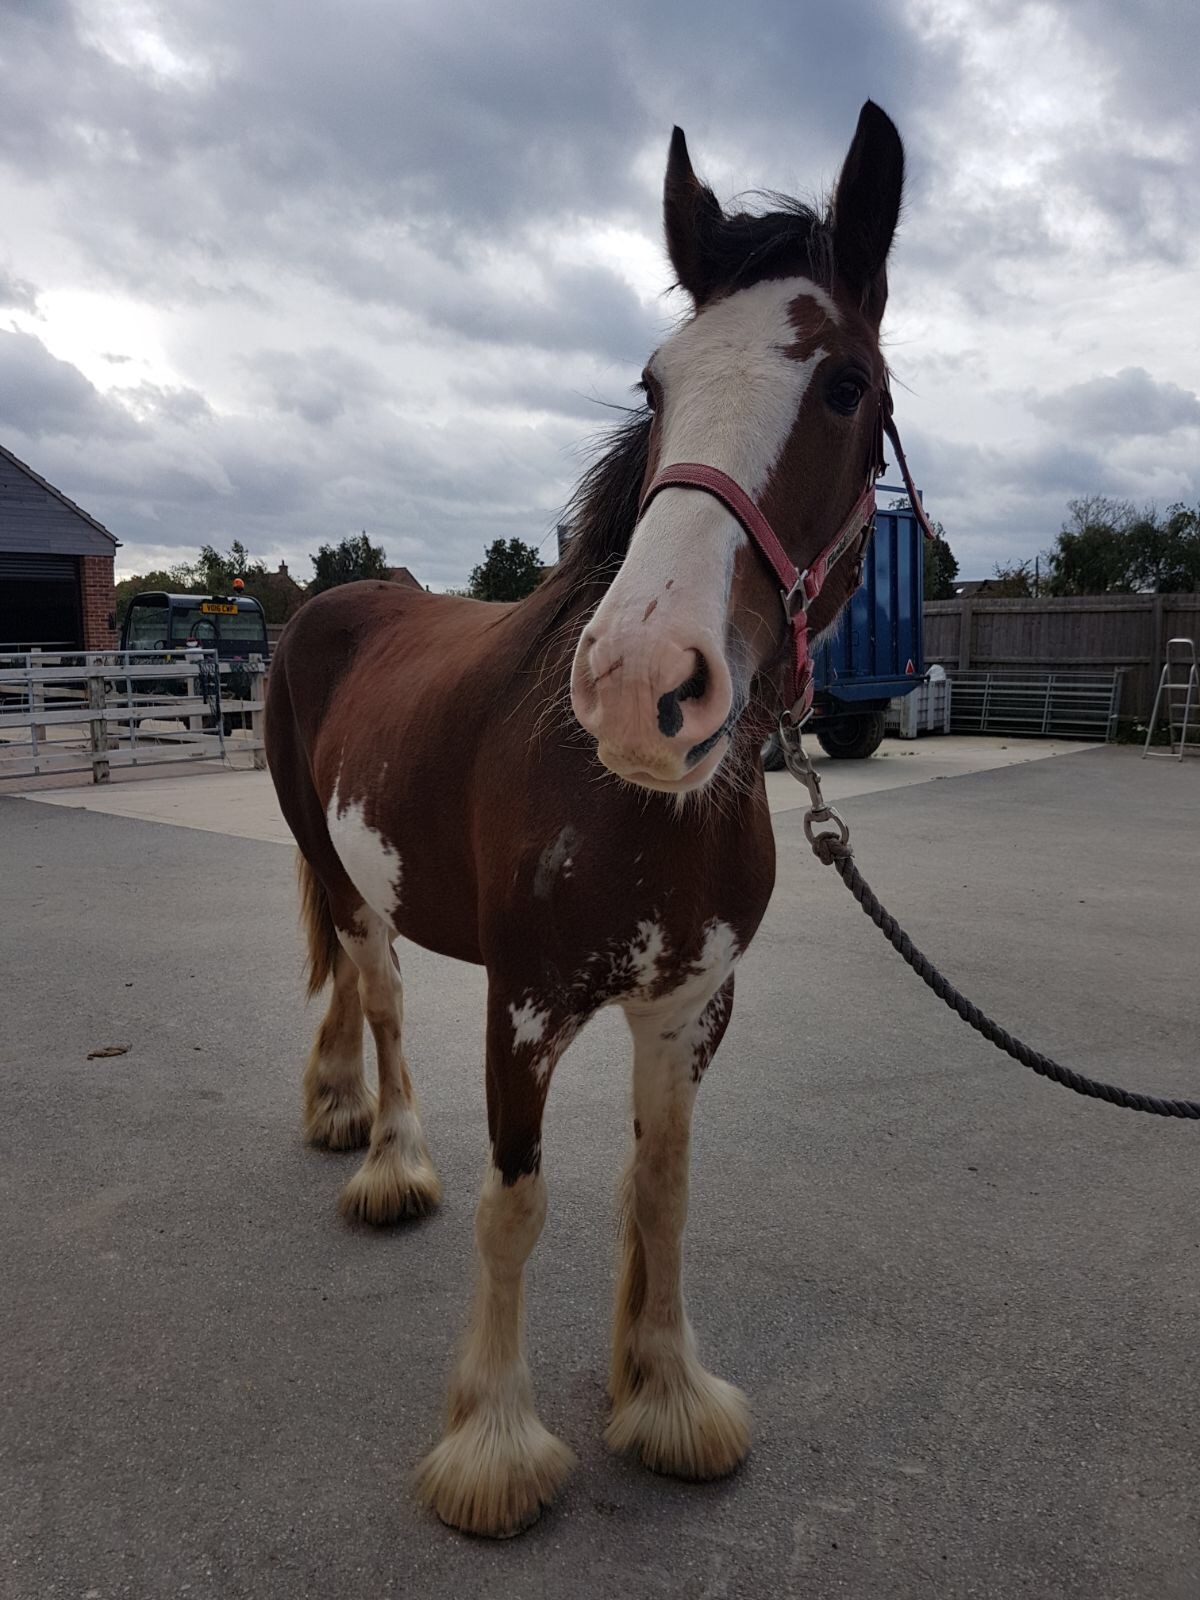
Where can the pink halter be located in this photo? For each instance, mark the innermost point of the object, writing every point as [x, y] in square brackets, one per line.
[798, 589]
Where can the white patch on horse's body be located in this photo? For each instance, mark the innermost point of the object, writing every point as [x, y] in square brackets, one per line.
[720, 949]
[372, 864]
[529, 1022]
[645, 953]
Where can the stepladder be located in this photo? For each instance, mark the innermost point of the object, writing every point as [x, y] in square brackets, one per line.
[1177, 698]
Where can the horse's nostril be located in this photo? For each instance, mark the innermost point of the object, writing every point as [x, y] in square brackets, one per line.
[695, 686]
[670, 705]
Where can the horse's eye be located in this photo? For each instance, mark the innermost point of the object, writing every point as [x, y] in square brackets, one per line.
[649, 387]
[845, 395]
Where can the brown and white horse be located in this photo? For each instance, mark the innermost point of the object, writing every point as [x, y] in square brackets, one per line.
[568, 791]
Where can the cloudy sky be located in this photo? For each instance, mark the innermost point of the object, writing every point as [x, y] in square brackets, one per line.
[286, 269]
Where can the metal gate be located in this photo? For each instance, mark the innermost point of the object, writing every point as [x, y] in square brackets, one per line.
[1054, 705]
[97, 711]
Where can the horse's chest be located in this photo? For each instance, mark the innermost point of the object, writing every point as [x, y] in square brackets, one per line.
[634, 925]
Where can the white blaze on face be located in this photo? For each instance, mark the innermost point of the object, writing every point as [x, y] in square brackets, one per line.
[732, 393]
[731, 398]
[372, 864]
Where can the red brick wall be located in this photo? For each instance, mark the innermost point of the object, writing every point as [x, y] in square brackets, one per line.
[97, 602]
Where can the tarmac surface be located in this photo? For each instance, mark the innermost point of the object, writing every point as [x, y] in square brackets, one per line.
[964, 1303]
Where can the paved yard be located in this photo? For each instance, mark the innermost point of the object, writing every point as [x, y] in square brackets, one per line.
[243, 803]
[965, 1304]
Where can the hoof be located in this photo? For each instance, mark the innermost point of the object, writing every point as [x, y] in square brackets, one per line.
[338, 1119]
[492, 1474]
[392, 1186]
[682, 1421]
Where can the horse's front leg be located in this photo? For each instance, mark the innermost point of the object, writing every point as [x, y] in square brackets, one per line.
[497, 1466]
[666, 1406]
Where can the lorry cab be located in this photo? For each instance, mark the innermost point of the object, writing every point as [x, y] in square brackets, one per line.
[233, 625]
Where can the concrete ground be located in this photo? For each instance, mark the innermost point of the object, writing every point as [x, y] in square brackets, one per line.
[243, 803]
[964, 1303]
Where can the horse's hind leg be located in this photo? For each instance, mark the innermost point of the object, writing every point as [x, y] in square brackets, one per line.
[666, 1406]
[338, 1109]
[396, 1180]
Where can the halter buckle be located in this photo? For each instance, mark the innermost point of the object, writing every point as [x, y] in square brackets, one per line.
[797, 598]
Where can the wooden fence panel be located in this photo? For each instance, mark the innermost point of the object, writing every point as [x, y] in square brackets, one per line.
[1088, 632]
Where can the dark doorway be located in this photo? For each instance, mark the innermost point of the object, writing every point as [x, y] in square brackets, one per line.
[39, 603]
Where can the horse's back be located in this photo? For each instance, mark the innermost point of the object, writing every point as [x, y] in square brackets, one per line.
[320, 645]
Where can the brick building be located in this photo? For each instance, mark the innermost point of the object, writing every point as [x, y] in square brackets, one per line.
[56, 567]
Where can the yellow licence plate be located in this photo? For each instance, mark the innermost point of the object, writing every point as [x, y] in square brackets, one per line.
[221, 611]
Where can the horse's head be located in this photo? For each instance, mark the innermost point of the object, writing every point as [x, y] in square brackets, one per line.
[776, 381]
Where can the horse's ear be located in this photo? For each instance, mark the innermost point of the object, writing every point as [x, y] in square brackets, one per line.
[693, 220]
[866, 207]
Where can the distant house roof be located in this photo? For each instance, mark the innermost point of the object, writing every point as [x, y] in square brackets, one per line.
[404, 576]
[282, 580]
[974, 586]
[37, 517]
[284, 587]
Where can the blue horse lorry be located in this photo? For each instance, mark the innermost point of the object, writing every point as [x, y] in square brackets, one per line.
[877, 651]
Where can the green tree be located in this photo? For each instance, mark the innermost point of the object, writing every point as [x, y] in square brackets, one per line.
[508, 572]
[940, 562]
[941, 566]
[215, 572]
[1014, 582]
[347, 562]
[1164, 555]
[1108, 547]
[1092, 552]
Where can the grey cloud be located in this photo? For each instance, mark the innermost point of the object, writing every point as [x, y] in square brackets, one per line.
[1006, 501]
[41, 395]
[1147, 199]
[16, 294]
[318, 385]
[1128, 404]
[468, 128]
[385, 158]
[571, 308]
[152, 401]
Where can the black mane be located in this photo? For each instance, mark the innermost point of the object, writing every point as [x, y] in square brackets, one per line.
[603, 510]
[792, 239]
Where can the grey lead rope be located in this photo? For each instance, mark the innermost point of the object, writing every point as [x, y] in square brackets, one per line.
[833, 849]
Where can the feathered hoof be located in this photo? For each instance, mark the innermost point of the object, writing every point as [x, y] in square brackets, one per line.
[338, 1119]
[684, 1422]
[493, 1473]
[391, 1186]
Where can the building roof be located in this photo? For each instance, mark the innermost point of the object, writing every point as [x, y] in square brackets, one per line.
[404, 576]
[37, 517]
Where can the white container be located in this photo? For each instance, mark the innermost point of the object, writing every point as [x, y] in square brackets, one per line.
[925, 710]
